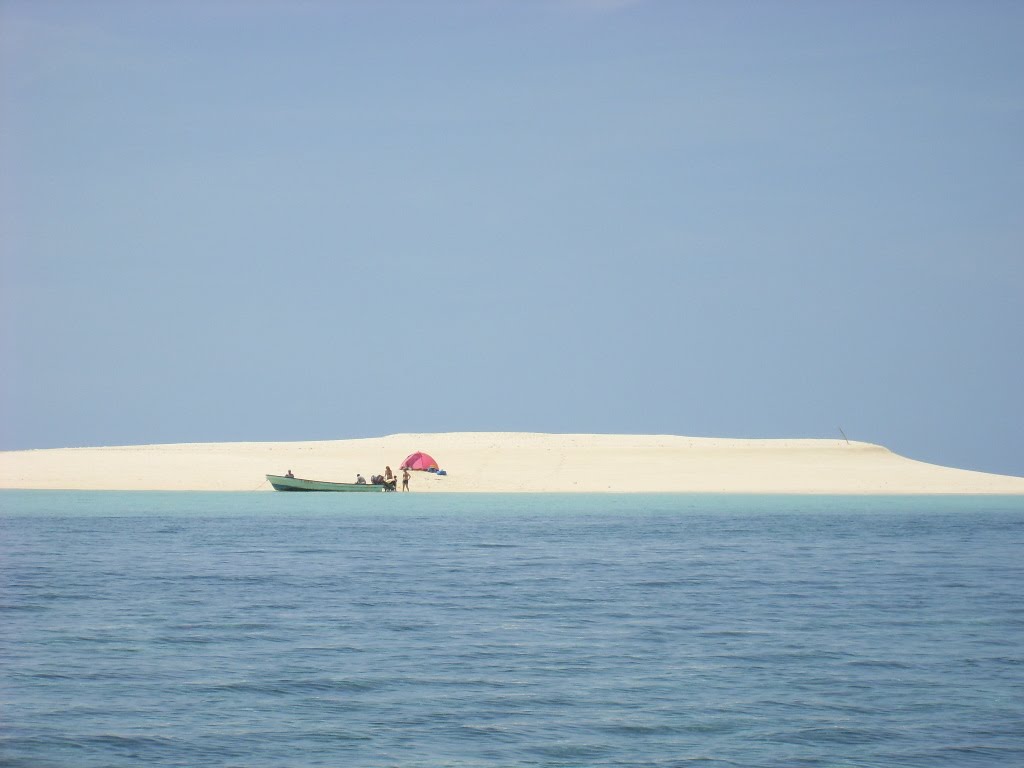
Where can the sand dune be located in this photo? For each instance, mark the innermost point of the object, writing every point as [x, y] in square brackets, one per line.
[509, 462]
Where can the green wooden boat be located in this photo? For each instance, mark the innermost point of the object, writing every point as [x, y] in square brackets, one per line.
[281, 483]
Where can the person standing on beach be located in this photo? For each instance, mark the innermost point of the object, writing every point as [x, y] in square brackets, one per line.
[405, 479]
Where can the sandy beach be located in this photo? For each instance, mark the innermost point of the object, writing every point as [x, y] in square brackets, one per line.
[506, 462]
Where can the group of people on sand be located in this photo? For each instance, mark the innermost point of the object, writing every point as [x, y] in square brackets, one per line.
[388, 479]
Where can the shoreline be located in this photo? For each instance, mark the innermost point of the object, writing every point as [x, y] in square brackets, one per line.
[511, 462]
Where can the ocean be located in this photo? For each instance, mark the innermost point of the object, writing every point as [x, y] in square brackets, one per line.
[269, 630]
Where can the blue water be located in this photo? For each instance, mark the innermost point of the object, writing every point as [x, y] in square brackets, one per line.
[258, 630]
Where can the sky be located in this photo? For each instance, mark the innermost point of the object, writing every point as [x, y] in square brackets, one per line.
[232, 221]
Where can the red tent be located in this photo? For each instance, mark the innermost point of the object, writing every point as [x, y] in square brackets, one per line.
[419, 460]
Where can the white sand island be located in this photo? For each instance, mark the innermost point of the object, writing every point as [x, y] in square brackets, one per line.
[505, 462]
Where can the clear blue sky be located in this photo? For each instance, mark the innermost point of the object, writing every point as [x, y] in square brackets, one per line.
[229, 220]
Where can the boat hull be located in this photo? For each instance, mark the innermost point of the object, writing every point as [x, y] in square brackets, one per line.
[281, 483]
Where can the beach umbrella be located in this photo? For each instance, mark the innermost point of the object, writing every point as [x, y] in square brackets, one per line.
[419, 460]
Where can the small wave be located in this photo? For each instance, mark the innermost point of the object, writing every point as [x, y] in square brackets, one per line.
[489, 733]
[665, 583]
[10, 744]
[170, 529]
[879, 664]
[640, 729]
[134, 742]
[25, 607]
[572, 751]
[728, 633]
[969, 754]
[289, 687]
[837, 735]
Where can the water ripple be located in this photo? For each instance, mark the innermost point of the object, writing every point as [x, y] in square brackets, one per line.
[649, 631]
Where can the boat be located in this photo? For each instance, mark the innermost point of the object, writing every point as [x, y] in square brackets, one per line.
[282, 483]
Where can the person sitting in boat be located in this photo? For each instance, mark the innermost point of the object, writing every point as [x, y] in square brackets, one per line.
[389, 485]
[360, 480]
[289, 474]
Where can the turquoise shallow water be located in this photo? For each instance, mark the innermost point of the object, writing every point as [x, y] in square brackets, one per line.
[181, 629]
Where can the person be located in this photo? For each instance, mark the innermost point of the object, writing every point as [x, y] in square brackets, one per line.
[388, 475]
[360, 480]
[405, 479]
[289, 474]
